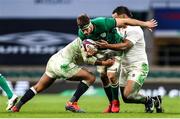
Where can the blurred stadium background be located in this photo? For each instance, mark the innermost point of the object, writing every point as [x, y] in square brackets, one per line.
[32, 30]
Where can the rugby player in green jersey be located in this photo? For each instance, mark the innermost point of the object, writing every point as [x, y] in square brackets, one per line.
[65, 64]
[105, 28]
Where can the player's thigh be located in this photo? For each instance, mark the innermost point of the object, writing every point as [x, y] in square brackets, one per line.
[114, 71]
[123, 77]
[63, 69]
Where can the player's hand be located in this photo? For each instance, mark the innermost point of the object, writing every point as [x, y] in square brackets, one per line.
[108, 62]
[151, 24]
[102, 44]
[91, 52]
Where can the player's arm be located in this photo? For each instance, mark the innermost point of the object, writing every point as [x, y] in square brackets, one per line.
[108, 62]
[126, 44]
[120, 22]
[94, 61]
[89, 59]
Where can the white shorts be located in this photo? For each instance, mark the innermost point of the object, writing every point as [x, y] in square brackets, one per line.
[137, 72]
[58, 67]
[110, 54]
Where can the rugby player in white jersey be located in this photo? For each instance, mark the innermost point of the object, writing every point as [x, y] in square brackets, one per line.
[134, 67]
[65, 64]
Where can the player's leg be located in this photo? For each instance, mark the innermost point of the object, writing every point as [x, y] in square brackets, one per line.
[41, 85]
[86, 79]
[5, 86]
[135, 79]
[108, 91]
[12, 97]
[130, 93]
[113, 75]
[106, 85]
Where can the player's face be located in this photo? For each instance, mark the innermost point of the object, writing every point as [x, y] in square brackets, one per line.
[88, 30]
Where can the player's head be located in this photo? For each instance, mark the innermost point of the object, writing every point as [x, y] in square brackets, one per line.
[121, 12]
[84, 23]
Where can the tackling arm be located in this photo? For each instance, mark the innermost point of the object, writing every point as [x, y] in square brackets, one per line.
[108, 62]
[120, 22]
[118, 46]
[94, 61]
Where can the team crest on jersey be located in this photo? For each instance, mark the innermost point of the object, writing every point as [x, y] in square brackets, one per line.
[103, 35]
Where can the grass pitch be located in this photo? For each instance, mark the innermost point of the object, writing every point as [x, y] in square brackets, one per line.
[52, 106]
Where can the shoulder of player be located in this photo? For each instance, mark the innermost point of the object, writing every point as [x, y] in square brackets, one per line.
[100, 19]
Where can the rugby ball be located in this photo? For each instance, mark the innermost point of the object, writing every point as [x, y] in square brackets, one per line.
[89, 44]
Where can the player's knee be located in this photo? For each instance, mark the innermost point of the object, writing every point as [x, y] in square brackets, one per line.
[112, 77]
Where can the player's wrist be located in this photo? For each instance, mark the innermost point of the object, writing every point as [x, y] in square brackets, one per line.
[103, 62]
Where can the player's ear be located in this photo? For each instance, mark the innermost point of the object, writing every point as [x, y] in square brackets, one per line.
[123, 16]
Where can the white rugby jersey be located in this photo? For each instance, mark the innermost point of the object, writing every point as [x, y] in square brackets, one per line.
[137, 53]
[74, 52]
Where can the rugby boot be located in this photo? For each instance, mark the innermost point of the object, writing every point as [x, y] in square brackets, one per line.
[149, 105]
[11, 102]
[73, 107]
[158, 104]
[115, 106]
[15, 109]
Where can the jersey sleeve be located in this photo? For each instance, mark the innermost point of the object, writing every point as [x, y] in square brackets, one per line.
[133, 36]
[110, 23]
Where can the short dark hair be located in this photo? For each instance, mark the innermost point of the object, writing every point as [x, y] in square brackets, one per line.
[122, 10]
[83, 20]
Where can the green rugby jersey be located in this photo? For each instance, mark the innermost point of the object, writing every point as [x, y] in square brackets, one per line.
[104, 28]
